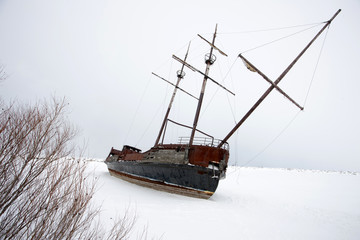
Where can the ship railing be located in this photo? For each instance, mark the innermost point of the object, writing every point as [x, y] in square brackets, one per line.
[204, 141]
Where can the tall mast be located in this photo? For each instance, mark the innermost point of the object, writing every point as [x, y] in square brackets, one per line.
[180, 75]
[276, 82]
[209, 60]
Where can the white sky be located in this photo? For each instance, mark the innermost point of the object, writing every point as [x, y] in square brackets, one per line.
[100, 55]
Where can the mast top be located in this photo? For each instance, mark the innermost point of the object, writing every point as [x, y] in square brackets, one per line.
[337, 12]
[213, 42]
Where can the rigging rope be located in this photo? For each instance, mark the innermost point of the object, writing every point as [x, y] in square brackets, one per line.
[161, 106]
[223, 81]
[293, 119]
[148, 126]
[276, 137]
[137, 110]
[227, 95]
[270, 29]
[276, 40]
[316, 65]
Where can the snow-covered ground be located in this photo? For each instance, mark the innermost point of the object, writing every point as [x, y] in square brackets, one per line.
[251, 203]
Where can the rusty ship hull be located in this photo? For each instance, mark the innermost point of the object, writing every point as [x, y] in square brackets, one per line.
[181, 179]
[193, 172]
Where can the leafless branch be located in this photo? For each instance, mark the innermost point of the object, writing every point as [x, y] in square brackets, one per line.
[45, 194]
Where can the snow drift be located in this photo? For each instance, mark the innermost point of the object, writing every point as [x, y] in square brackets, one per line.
[251, 203]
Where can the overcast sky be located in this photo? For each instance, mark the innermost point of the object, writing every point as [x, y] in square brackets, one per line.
[100, 55]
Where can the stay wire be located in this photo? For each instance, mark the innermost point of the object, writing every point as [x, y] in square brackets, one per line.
[227, 95]
[137, 109]
[278, 39]
[316, 66]
[223, 81]
[161, 107]
[149, 125]
[184, 46]
[270, 29]
[275, 138]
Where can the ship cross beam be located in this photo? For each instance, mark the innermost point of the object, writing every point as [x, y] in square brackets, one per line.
[196, 70]
[212, 45]
[252, 68]
[176, 86]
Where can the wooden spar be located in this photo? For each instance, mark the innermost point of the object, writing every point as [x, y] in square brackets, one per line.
[183, 125]
[212, 45]
[269, 81]
[196, 70]
[276, 82]
[180, 75]
[208, 64]
[175, 86]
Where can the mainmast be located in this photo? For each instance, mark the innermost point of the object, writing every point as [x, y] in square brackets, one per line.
[210, 58]
[180, 75]
[273, 84]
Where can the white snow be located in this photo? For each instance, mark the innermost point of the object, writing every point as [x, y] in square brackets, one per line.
[251, 203]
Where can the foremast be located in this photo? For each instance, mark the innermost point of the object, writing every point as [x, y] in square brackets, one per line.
[180, 75]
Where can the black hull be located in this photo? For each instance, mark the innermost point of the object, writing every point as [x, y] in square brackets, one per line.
[185, 179]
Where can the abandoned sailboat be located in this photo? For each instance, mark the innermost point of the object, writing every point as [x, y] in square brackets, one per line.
[194, 165]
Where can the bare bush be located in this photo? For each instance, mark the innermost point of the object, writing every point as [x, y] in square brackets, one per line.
[44, 194]
[3, 74]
